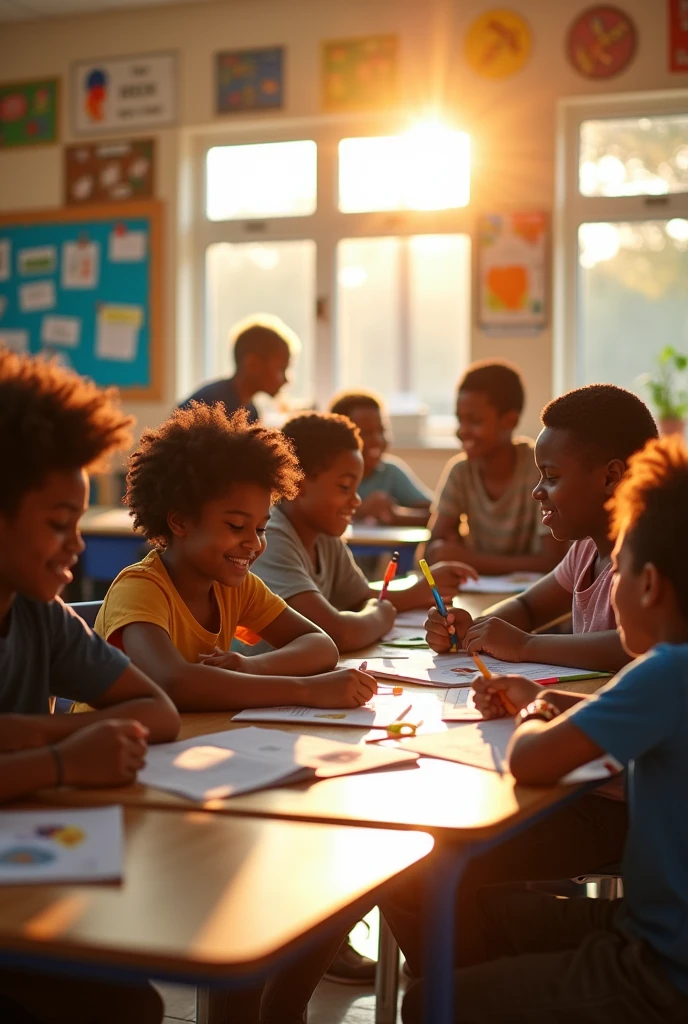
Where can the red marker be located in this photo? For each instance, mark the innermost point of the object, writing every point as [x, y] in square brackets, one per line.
[389, 575]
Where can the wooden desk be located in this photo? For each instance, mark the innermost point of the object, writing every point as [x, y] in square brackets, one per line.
[204, 897]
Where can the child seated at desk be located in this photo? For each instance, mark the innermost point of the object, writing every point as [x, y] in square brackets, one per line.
[587, 438]
[54, 425]
[488, 487]
[389, 491]
[309, 564]
[200, 488]
[584, 961]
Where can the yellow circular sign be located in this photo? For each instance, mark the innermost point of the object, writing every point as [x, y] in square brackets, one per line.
[498, 43]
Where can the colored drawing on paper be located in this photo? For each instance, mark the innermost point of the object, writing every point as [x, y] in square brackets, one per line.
[601, 42]
[512, 264]
[249, 80]
[106, 172]
[23, 856]
[360, 74]
[29, 113]
[498, 44]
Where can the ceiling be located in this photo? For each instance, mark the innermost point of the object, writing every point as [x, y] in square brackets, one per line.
[25, 10]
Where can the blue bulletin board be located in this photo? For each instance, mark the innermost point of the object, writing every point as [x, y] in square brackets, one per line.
[84, 286]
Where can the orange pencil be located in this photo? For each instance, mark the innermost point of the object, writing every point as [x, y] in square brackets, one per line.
[486, 674]
[390, 574]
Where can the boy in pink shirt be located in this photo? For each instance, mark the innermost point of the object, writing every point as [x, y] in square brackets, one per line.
[587, 438]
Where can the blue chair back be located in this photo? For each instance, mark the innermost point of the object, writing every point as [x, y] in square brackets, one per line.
[88, 610]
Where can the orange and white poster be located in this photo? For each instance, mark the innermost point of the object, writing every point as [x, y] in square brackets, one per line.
[512, 272]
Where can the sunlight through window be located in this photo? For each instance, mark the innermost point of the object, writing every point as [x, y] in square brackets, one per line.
[273, 179]
[426, 168]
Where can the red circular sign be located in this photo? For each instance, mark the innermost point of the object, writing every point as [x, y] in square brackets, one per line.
[601, 42]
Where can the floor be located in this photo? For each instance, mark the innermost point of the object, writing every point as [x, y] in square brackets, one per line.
[331, 1003]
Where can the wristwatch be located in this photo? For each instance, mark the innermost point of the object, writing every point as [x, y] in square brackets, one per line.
[540, 709]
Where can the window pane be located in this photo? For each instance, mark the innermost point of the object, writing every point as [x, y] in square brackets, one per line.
[249, 278]
[275, 179]
[634, 156]
[403, 316]
[428, 168]
[633, 298]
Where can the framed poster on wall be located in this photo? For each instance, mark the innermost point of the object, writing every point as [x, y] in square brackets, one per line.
[120, 93]
[512, 255]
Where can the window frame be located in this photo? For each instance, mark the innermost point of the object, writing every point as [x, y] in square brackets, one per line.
[573, 209]
[326, 227]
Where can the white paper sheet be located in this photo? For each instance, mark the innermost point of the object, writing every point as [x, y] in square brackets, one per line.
[459, 706]
[61, 846]
[38, 260]
[80, 264]
[426, 668]
[484, 745]
[37, 296]
[17, 341]
[117, 332]
[3, 305]
[224, 764]
[380, 711]
[127, 246]
[61, 330]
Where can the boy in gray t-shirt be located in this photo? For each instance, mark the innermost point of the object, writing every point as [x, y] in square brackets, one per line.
[307, 562]
[53, 425]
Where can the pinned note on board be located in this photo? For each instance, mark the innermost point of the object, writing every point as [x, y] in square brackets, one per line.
[80, 264]
[61, 330]
[5, 259]
[37, 296]
[126, 246]
[117, 332]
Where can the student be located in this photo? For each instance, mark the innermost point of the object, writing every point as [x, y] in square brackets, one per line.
[308, 563]
[488, 486]
[200, 489]
[389, 491]
[53, 426]
[263, 347]
[587, 438]
[596, 961]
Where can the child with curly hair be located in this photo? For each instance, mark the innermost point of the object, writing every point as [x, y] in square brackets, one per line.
[200, 488]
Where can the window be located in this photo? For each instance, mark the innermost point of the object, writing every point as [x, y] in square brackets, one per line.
[407, 301]
[276, 278]
[622, 253]
[427, 168]
[258, 181]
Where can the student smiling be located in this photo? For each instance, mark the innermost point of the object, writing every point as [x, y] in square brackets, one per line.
[200, 488]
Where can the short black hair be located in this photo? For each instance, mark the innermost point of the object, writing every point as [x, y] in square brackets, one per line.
[649, 509]
[196, 455]
[319, 437]
[52, 420]
[346, 402]
[263, 336]
[501, 383]
[604, 421]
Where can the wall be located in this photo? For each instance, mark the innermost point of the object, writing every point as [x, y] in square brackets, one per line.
[512, 122]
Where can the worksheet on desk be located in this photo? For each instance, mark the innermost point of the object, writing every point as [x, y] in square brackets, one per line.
[61, 846]
[426, 668]
[380, 711]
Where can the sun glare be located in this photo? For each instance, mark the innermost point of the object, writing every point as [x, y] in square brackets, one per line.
[426, 168]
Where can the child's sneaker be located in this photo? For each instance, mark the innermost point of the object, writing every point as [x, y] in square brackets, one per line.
[350, 967]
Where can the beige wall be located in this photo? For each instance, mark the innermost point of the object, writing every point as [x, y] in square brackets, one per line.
[512, 122]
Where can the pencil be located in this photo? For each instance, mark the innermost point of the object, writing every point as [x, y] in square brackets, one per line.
[390, 574]
[425, 569]
[486, 674]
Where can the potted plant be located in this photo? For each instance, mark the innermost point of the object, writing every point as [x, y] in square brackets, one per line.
[668, 398]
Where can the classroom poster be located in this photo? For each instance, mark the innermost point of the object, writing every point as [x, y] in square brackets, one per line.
[360, 74]
[249, 80]
[512, 264]
[678, 35]
[498, 44]
[29, 113]
[123, 93]
[601, 42]
[108, 172]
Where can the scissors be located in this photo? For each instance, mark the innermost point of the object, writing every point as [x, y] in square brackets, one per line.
[396, 731]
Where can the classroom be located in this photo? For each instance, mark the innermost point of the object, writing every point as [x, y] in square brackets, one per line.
[343, 391]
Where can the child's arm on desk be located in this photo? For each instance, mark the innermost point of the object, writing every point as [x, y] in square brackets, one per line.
[209, 688]
[351, 629]
[301, 649]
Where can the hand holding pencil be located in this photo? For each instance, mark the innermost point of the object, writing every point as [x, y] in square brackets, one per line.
[499, 696]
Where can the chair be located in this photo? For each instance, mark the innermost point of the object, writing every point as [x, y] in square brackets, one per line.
[87, 610]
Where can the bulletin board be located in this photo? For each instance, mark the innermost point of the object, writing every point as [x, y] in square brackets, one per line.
[84, 285]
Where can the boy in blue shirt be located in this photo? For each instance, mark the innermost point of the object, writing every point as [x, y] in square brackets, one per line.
[389, 491]
[595, 961]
